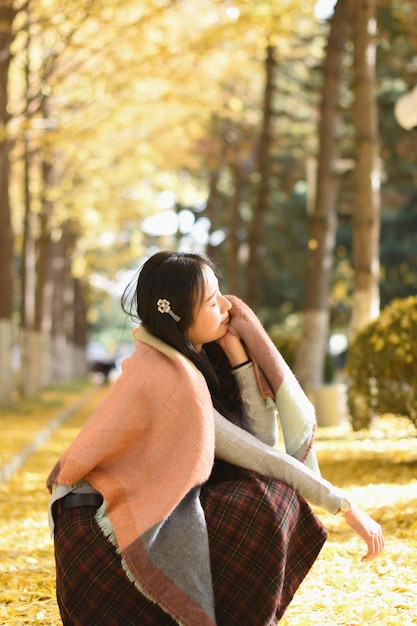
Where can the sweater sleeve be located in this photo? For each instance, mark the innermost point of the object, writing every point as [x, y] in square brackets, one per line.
[259, 419]
[235, 445]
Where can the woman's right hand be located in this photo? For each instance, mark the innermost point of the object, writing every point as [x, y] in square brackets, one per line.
[368, 529]
[233, 348]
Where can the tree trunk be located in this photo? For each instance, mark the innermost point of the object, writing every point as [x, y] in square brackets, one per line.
[30, 341]
[28, 253]
[212, 208]
[7, 14]
[255, 235]
[233, 253]
[79, 339]
[63, 305]
[35, 342]
[310, 358]
[366, 212]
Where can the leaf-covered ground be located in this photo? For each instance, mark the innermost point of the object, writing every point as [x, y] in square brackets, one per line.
[377, 468]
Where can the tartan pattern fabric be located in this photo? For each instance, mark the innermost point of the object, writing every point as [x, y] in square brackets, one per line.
[91, 586]
[263, 541]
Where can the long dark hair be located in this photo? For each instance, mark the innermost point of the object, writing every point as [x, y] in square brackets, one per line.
[179, 278]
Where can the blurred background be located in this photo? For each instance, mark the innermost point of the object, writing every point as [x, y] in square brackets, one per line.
[279, 137]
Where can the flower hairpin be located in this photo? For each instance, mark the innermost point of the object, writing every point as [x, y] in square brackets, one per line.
[164, 306]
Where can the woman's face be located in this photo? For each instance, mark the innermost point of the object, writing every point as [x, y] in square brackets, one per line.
[211, 319]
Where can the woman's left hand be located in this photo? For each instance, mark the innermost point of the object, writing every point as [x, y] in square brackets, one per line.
[368, 529]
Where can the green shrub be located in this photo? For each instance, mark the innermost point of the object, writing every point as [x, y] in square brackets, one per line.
[382, 365]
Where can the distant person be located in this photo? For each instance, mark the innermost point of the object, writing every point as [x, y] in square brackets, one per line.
[171, 506]
[103, 367]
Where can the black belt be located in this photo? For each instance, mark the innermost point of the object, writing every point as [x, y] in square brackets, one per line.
[71, 500]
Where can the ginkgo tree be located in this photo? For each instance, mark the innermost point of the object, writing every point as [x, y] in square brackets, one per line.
[7, 15]
[107, 99]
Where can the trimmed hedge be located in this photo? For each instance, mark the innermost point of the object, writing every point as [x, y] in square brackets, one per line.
[382, 365]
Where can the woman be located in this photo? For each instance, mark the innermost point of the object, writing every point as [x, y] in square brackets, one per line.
[171, 506]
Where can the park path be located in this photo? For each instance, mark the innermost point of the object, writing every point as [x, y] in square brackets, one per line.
[36, 440]
[42, 434]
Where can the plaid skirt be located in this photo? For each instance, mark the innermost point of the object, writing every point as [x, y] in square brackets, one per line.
[263, 540]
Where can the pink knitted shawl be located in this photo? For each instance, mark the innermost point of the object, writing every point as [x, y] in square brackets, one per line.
[148, 443]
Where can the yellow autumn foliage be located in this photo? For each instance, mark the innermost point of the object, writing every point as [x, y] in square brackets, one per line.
[376, 467]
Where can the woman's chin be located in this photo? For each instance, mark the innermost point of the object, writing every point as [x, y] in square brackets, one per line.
[223, 331]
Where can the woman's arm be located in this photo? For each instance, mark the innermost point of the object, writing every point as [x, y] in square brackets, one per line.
[296, 412]
[237, 446]
[261, 424]
[259, 419]
[243, 449]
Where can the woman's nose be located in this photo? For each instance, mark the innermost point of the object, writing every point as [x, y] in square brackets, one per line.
[226, 304]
